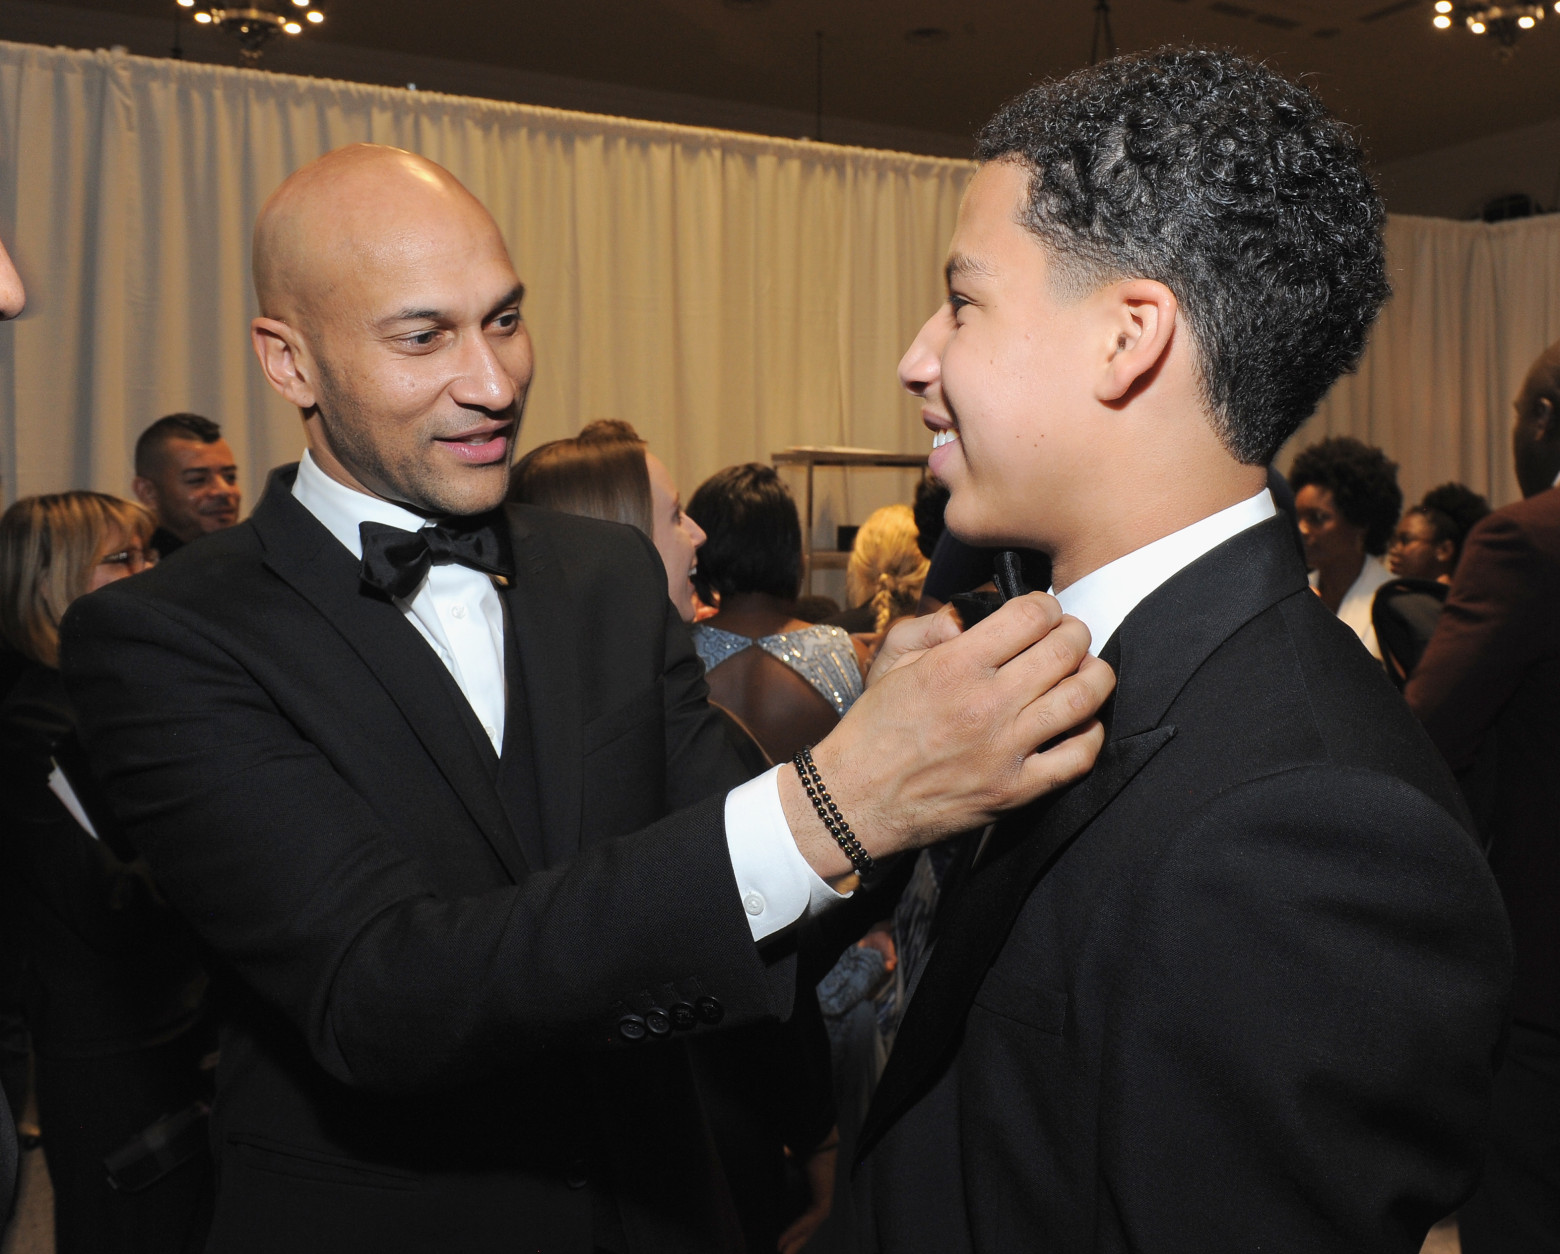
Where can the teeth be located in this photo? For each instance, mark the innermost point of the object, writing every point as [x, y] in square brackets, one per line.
[944, 437]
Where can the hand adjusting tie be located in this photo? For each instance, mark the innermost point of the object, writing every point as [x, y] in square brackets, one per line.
[807, 772]
[396, 560]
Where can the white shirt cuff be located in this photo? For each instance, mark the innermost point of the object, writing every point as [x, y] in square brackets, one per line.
[776, 885]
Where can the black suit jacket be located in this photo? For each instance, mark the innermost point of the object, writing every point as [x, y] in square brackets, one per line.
[1239, 989]
[1488, 692]
[451, 1026]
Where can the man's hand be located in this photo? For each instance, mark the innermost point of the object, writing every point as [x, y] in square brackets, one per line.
[955, 729]
[909, 638]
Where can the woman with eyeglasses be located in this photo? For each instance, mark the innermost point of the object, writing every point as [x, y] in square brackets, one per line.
[114, 990]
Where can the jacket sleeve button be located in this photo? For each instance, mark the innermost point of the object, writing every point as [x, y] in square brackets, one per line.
[631, 1028]
[682, 1015]
[658, 1021]
[709, 1010]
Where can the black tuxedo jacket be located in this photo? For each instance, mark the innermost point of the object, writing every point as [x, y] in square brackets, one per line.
[1488, 692]
[458, 983]
[1239, 989]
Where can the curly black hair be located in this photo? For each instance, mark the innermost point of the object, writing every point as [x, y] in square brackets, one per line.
[754, 534]
[1233, 187]
[1452, 510]
[1362, 481]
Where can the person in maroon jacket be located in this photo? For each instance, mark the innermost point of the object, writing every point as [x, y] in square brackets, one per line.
[1488, 692]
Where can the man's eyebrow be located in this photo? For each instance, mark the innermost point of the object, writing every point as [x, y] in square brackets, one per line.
[513, 296]
[962, 264]
[412, 315]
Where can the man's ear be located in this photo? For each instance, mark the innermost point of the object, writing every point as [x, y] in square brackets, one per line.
[1545, 427]
[284, 360]
[1140, 320]
[145, 492]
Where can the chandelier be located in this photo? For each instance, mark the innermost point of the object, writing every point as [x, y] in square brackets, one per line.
[1501, 21]
[256, 25]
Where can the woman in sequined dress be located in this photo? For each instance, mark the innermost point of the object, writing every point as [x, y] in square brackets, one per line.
[789, 681]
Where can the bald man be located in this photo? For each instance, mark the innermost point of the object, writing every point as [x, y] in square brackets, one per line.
[437, 784]
[1488, 692]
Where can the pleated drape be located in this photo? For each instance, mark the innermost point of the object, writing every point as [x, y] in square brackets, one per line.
[729, 294]
[1472, 306]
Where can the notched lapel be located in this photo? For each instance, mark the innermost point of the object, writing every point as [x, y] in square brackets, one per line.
[300, 551]
[537, 602]
[1021, 849]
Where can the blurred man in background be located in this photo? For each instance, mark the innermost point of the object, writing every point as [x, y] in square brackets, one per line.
[186, 475]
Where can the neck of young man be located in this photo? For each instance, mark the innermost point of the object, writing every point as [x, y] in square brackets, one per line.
[1127, 520]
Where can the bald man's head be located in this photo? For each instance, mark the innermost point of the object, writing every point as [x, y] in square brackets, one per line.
[341, 210]
[390, 317]
[1535, 435]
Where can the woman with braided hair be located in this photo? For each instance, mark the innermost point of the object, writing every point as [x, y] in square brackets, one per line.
[887, 568]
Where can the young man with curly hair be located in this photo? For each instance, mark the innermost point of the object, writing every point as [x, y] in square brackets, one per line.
[1240, 988]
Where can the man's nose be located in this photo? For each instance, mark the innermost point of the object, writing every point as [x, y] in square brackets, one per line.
[12, 295]
[920, 366]
[484, 381]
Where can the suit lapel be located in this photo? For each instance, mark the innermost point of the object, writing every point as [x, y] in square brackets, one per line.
[1021, 849]
[300, 551]
[1160, 646]
[537, 604]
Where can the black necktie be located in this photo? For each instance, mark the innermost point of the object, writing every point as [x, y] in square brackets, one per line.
[396, 561]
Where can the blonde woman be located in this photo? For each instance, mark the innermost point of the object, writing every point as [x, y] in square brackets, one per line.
[886, 568]
[113, 988]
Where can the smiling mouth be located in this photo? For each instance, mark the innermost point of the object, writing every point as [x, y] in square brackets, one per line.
[479, 448]
[939, 438]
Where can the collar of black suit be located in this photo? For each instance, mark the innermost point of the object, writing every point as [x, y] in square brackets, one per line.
[302, 552]
[1172, 631]
[1156, 651]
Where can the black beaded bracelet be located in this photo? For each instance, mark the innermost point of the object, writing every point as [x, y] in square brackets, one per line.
[829, 813]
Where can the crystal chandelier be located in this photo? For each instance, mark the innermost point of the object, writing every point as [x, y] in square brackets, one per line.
[256, 25]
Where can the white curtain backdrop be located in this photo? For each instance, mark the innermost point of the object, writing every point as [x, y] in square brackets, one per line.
[729, 294]
[1472, 306]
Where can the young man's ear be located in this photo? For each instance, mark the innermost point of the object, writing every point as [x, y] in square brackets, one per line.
[283, 360]
[1141, 324]
[145, 492]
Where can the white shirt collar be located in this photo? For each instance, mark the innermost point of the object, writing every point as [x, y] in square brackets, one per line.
[341, 508]
[1103, 598]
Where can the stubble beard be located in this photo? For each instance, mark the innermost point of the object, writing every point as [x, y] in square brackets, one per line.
[407, 481]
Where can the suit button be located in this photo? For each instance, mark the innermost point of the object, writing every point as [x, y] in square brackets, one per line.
[576, 1178]
[658, 1021]
[709, 1010]
[631, 1028]
[683, 1016]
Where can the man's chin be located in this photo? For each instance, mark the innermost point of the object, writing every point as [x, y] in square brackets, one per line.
[970, 527]
[474, 491]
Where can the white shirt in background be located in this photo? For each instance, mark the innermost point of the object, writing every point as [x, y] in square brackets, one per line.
[1356, 605]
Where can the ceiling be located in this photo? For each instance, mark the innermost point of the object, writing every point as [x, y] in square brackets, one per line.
[1378, 63]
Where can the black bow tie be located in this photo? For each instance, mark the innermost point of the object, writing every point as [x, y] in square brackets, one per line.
[396, 561]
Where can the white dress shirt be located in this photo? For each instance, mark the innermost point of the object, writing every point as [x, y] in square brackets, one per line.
[1103, 598]
[455, 609]
[458, 612]
[1358, 601]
